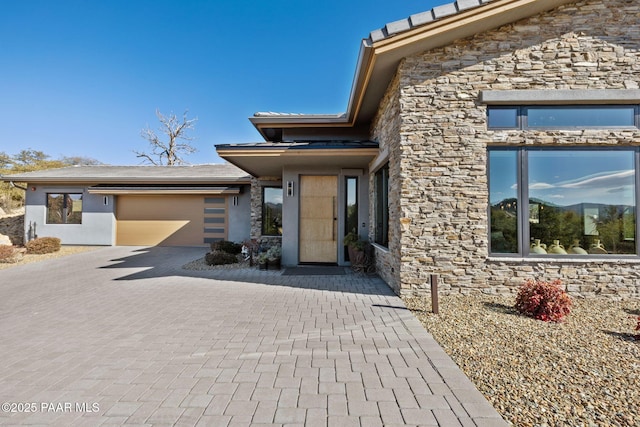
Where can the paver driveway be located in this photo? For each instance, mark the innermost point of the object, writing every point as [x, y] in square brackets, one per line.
[124, 336]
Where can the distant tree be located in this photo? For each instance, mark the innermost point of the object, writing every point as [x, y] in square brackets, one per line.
[29, 160]
[170, 151]
[5, 160]
[79, 161]
[29, 156]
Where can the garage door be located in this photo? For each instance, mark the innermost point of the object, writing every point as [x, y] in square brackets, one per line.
[170, 220]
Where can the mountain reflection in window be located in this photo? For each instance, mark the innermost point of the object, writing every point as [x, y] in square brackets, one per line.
[586, 200]
[578, 202]
[503, 190]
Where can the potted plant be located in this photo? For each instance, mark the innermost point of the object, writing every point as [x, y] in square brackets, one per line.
[262, 261]
[355, 247]
[274, 256]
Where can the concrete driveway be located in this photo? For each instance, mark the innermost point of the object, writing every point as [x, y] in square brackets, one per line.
[124, 336]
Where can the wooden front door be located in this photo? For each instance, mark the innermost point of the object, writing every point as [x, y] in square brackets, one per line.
[318, 219]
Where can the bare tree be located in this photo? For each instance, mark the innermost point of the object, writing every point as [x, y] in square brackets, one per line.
[168, 152]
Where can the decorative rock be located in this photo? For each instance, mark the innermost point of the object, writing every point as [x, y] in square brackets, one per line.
[5, 240]
[581, 372]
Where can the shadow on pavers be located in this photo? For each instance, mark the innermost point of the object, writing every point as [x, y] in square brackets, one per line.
[166, 261]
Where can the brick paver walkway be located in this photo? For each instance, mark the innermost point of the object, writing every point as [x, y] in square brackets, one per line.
[123, 336]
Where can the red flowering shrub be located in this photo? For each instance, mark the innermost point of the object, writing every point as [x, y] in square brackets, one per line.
[541, 300]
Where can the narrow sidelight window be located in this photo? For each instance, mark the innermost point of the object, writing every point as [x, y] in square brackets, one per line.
[351, 208]
[272, 211]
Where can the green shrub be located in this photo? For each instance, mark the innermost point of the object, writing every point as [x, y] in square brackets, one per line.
[543, 300]
[226, 246]
[220, 258]
[43, 245]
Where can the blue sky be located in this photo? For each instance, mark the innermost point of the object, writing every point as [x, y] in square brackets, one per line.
[83, 78]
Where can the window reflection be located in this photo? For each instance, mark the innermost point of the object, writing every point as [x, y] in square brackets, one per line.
[578, 202]
[351, 214]
[584, 117]
[582, 202]
[272, 211]
[64, 208]
[503, 191]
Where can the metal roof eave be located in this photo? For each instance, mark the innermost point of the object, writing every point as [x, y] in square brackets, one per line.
[92, 180]
[378, 60]
[153, 190]
[269, 159]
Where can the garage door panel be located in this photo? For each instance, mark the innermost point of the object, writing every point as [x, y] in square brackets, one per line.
[166, 220]
[149, 233]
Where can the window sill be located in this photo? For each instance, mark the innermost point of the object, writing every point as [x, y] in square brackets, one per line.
[379, 247]
[565, 259]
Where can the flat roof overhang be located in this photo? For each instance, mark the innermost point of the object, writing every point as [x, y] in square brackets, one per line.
[269, 159]
[155, 190]
[378, 61]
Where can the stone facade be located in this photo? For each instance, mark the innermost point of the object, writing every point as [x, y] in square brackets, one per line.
[435, 128]
[386, 130]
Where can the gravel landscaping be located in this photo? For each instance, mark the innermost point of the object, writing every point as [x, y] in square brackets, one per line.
[584, 371]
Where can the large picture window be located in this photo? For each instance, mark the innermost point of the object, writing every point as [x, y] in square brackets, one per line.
[563, 202]
[64, 208]
[382, 205]
[272, 211]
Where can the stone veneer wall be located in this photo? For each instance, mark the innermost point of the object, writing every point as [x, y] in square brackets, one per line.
[386, 130]
[441, 139]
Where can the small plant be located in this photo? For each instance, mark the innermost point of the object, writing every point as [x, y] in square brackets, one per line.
[274, 253]
[226, 246]
[542, 300]
[220, 258]
[638, 329]
[353, 240]
[262, 258]
[43, 245]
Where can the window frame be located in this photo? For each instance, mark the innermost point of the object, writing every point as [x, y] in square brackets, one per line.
[262, 213]
[522, 180]
[66, 195]
[522, 116]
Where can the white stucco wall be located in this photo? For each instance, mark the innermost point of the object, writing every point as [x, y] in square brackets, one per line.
[240, 216]
[98, 219]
